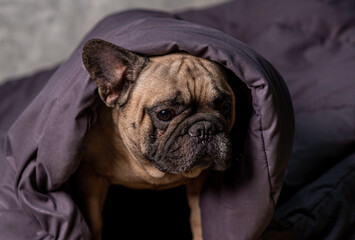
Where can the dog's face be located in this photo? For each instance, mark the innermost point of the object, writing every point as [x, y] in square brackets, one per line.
[174, 112]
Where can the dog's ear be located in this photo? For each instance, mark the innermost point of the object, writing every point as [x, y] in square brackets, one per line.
[113, 69]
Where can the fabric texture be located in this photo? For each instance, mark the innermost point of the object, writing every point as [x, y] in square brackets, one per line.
[311, 43]
[42, 132]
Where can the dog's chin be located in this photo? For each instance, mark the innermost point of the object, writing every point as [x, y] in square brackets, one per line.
[193, 172]
[192, 167]
[190, 173]
[154, 172]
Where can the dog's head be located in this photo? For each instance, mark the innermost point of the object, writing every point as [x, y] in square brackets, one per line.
[174, 111]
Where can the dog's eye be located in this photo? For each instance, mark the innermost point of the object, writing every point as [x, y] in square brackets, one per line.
[166, 115]
[225, 108]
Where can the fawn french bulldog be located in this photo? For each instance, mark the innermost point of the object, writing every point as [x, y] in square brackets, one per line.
[163, 121]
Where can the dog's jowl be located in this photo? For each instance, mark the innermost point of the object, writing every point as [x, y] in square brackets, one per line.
[163, 121]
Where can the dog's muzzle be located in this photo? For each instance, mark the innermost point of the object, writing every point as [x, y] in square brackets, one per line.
[204, 130]
[197, 142]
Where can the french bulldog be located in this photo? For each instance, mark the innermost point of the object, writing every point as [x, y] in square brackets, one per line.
[163, 121]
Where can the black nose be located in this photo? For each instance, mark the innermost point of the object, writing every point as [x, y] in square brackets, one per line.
[203, 130]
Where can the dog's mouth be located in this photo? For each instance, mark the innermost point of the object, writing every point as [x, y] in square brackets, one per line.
[190, 145]
[187, 153]
[190, 150]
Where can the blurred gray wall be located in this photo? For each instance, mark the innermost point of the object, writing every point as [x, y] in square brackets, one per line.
[36, 34]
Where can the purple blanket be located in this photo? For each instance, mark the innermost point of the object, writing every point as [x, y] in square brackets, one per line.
[42, 148]
[312, 45]
[44, 119]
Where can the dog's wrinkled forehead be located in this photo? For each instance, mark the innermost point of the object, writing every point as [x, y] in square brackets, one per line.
[185, 76]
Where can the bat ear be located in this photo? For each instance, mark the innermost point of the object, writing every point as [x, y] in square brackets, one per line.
[113, 69]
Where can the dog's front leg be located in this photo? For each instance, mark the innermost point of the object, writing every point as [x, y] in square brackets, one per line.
[193, 191]
[92, 191]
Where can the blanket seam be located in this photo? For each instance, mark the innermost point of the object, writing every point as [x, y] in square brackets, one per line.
[266, 159]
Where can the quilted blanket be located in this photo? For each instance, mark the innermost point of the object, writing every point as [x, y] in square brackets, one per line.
[44, 119]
